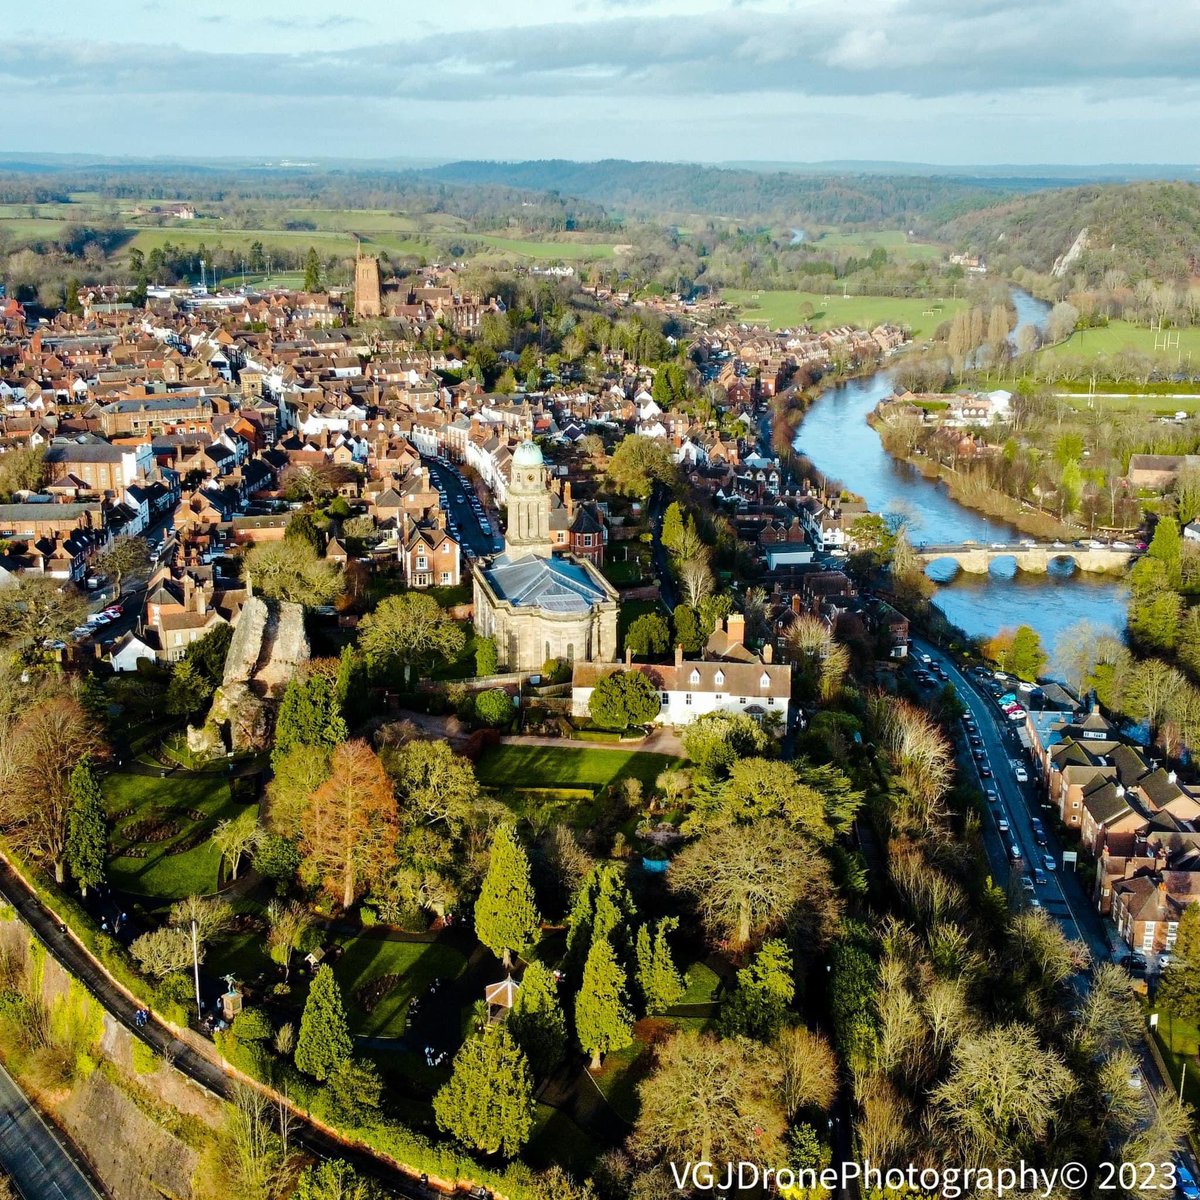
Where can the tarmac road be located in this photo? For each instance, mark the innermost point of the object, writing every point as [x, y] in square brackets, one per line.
[35, 1155]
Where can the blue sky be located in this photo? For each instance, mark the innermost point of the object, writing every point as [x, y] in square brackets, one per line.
[948, 81]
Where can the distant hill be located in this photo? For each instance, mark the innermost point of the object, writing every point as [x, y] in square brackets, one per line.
[1143, 229]
[655, 189]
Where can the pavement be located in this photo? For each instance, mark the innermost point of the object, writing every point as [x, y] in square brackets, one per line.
[36, 1156]
[207, 1069]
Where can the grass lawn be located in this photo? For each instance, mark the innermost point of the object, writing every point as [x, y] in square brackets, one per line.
[785, 308]
[1156, 405]
[531, 249]
[161, 874]
[632, 609]
[417, 963]
[895, 241]
[1122, 335]
[518, 766]
[1179, 1042]
[702, 983]
[555, 1138]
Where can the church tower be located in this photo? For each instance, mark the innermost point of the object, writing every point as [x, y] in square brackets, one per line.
[528, 505]
[368, 288]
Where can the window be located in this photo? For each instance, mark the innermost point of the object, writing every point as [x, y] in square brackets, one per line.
[741, 699]
[764, 680]
[694, 677]
[687, 698]
[771, 700]
[719, 678]
[666, 699]
[719, 696]
[445, 576]
[587, 539]
[422, 563]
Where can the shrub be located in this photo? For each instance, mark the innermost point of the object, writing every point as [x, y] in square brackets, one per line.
[494, 707]
[145, 1060]
[252, 1025]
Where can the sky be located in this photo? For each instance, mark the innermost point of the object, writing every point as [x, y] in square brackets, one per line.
[936, 81]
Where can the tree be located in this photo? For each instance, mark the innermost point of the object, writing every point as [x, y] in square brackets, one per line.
[310, 713]
[333, 1180]
[356, 1091]
[324, 1042]
[494, 707]
[312, 270]
[649, 636]
[687, 629]
[288, 925]
[87, 828]
[506, 915]
[715, 741]
[672, 527]
[44, 746]
[235, 837]
[291, 571]
[164, 951]
[696, 579]
[435, 786]
[602, 908]
[303, 527]
[409, 630]
[658, 978]
[297, 775]
[536, 1020]
[1167, 547]
[873, 536]
[485, 656]
[624, 698]
[602, 1020]
[1027, 658]
[765, 989]
[709, 1100]
[127, 555]
[350, 823]
[488, 1102]
[808, 1070]
[188, 692]
[638, 463]
[757, 788]
[748, 885]
[37, 608]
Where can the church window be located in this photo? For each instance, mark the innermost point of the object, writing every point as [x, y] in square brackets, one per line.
[570, 652]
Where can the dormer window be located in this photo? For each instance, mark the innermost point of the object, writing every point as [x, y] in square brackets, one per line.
[719, 678]
[694, 677]
[764, 680]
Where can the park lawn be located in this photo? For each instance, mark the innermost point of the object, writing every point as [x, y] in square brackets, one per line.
[162, 875]
[784, 308]
[1179, 1042]
[517, 766]
[1116, 336]
[418, 963]
[243, 955]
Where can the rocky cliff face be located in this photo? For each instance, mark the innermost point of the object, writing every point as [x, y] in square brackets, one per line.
[268, 644]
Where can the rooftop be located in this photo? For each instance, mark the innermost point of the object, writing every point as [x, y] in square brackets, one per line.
[553, 584]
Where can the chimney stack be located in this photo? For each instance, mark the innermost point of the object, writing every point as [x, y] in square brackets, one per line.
[679, 654]
[768, 653]
[735, 628]
[628, 656]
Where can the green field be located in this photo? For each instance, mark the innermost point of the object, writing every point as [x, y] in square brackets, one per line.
[786, 308]
[894, 241]
[517, 766]
[542, 250]
[167, 872]
[1117, 336]
[1158, 405]
[416, 963]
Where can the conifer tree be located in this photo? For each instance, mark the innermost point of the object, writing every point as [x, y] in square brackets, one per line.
[765, 989]
[604, 908]
[87, 828]
[658, 979]
[506, 915]
[602, 1021]
[537, 1022]
[324, 1042]
[488, 1102]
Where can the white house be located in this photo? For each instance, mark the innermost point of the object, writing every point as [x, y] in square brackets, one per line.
[128, 651]
[688, 690]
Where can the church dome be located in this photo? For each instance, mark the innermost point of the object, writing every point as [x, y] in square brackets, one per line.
[527, 454]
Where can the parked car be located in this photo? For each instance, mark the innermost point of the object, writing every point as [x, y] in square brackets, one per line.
[1185, 1181]
[1002, 824]
[1027, 885]
[1022, 775]
[1014, 852]
[985, 771]
[1040, 877]
[992, 798]
[1049, 863]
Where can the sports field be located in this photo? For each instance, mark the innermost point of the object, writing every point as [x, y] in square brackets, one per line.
[1176, 347]
[786, 308]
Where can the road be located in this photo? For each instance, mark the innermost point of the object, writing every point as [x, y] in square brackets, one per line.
[659, 499]
[36, 1156]
[459, 493]
[205, 1071]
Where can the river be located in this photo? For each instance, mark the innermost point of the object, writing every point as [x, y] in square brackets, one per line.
[836, 437]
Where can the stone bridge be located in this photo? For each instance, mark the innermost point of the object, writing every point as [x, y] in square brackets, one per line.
[1032, 557]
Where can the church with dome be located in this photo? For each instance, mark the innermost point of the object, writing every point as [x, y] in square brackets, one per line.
[534, 604]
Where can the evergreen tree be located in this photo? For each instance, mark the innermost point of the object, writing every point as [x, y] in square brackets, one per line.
[624, 698]
[506, 915]
[485, 656]
[312, 271]
[310, 714]
[87, 828]
[672, 527]
[537, 1022]
[1167, 546]
[324, 1041]
[602, 1020]
[602, 908]
[687, 629]
[488, 1102]
[348, 688]
[658, 979]
[764, 991]
[649, 636]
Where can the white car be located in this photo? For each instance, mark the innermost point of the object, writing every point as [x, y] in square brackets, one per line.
[1022, 775]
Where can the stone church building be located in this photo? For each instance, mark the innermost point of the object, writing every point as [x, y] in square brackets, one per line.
[534, 604]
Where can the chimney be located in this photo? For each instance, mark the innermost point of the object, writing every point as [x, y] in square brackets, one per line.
[201, 601]
[628, 656]
[679, 655]
[796, 603]
[768, 653]
[735, 628]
